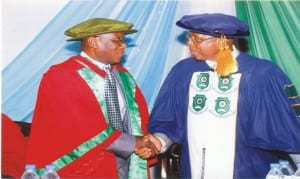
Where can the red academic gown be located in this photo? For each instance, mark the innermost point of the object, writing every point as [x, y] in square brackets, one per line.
[13, 148]
[68, 114]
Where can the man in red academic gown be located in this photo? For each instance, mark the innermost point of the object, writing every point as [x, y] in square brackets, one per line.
[71, 127]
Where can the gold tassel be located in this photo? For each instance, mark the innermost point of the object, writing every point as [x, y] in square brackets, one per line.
[226, 64]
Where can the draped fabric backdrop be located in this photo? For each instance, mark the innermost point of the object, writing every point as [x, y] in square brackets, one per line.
[151, 52]
[274, 28]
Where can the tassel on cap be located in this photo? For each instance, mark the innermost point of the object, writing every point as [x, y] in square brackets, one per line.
[226, 64]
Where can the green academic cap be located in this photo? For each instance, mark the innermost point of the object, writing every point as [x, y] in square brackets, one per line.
[98, 26]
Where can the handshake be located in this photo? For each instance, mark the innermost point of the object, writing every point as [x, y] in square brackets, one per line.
[147, 146]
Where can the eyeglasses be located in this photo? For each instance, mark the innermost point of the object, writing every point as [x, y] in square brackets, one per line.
[116, 40]
[197, 41]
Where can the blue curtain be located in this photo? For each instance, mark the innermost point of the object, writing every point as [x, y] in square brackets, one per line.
[151, 52]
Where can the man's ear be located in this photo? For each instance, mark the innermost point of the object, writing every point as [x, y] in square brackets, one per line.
[92, 42]
[230, 42]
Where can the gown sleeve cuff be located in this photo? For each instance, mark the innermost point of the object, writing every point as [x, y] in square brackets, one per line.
[165, 141]
[117, 147]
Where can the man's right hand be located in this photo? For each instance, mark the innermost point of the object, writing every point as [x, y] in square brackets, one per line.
[145, 148]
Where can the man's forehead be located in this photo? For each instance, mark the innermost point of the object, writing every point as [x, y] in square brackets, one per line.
[113, 34]
[198, 34]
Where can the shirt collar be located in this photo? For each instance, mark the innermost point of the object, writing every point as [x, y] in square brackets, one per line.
[213, 64]
[97, 63]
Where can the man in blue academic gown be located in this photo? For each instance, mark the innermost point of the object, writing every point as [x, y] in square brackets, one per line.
[232, 113]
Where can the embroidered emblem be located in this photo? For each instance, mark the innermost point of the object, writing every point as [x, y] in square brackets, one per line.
[225, 83]
[222, 105]
[202, 80]
[199, 101]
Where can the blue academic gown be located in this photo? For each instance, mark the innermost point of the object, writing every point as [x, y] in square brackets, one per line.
[267, 124]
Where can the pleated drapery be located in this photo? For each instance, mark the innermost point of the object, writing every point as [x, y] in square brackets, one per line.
[146, 56]
[154, 49]
[274, 28]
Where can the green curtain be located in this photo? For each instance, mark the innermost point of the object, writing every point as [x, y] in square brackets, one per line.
[274, 33]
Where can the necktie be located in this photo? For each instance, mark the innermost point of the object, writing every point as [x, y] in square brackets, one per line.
[111, 99]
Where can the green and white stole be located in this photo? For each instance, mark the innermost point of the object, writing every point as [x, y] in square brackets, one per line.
[137, 166]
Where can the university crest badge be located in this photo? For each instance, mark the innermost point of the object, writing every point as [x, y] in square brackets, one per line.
[202, 80]
[225, 83]
[199, 102]
[222, 105]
